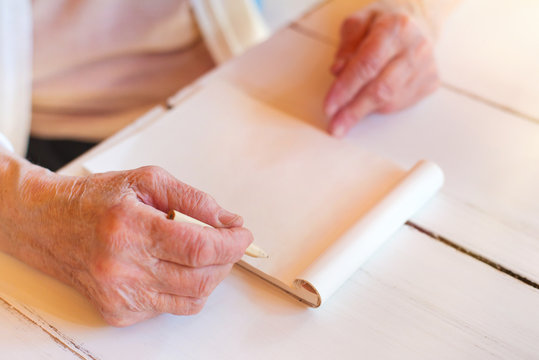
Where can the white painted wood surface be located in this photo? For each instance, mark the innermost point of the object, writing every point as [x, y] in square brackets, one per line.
[21, 339]
[487, 47]
[416, 298]
[491, 48]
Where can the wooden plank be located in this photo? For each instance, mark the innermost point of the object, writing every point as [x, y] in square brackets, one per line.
[416, 298]
[488, 156]
[490, 48]
[21, 338]
[485, 237]
[487, 48]
[29, 293]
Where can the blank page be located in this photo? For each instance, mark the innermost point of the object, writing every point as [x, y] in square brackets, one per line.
[297, 188]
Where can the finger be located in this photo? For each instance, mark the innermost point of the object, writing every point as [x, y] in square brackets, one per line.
[178, 305]
[376, 94]
[180, 280]
[353, 31]
[378, 48]
[156, 187]
[196, 246]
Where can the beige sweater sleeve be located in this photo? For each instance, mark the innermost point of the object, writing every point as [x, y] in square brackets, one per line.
[433, 12]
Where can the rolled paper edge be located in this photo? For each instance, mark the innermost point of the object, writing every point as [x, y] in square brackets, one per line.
[346, 255]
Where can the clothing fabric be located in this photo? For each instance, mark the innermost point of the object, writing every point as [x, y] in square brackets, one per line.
[113, 60]
[5, 143]
[53, 154]
[100, 64]
[15, 71]
[229, 26]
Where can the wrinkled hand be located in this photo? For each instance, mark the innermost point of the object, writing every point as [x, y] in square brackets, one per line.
[385, 63]
[108, 236]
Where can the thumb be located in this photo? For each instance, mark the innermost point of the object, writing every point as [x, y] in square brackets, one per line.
[157, 188]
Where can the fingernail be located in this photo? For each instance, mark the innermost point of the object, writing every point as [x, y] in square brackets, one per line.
[230, 219]
[338, 131]
[331, 108]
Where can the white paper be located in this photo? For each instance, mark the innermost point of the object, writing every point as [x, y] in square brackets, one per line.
[297, 188]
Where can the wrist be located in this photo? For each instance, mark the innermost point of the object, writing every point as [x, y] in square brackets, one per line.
[416, 10]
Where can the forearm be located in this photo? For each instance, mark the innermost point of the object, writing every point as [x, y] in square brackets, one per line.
[26, 213]
[15, 173]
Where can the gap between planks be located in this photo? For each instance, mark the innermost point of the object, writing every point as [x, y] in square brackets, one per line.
[504, 108]
[474, 255]
[55, 334]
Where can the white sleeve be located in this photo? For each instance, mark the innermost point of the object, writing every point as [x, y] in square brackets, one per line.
[229, 27]
[4, 142]
[15, 72]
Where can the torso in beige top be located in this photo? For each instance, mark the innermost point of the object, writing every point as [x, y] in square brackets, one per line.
[99, 64]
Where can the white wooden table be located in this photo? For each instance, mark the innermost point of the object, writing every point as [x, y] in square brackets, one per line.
[460, 281]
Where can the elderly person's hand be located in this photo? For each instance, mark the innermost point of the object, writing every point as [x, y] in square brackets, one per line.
[108, 236]
[384, 63]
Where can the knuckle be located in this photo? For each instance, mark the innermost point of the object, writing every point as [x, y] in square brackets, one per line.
[424, 49]
[186, 306]
[199, 252]
[367, 67]
[384, 21]
[204, 286]
[106, 271]
[194, 306]
[198, 199]
[117, 321]
[151, 174]
[401, 21]
[113, 221]
[382, 92]
[394, 21]
[155, 302]
[111, 230]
